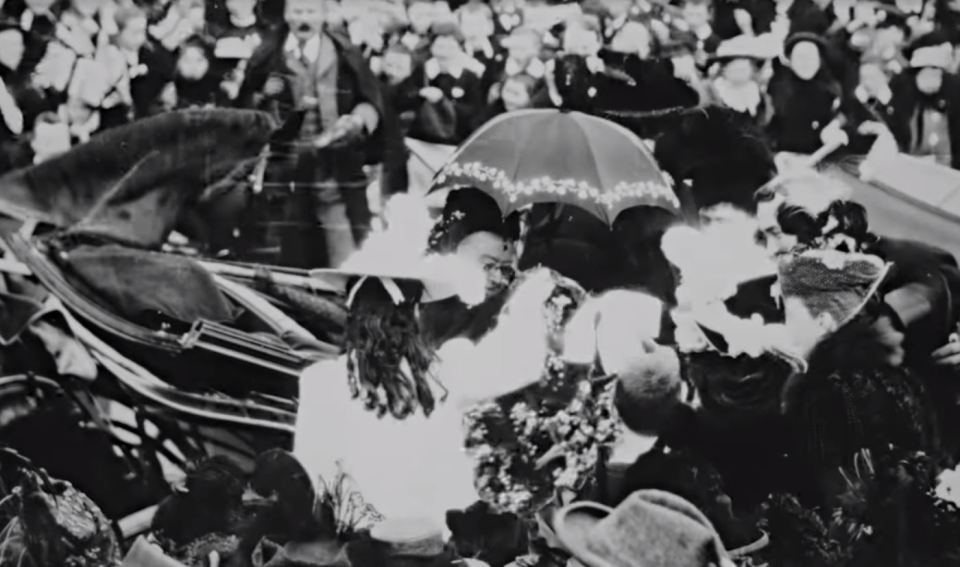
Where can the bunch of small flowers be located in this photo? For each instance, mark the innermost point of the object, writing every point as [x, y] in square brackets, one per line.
[548, 436]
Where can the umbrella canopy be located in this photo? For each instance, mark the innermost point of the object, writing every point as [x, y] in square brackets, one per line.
[553, 156]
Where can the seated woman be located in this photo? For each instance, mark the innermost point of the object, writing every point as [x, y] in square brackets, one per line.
[472, 227]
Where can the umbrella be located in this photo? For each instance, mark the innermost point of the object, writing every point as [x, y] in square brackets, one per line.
[554, 156]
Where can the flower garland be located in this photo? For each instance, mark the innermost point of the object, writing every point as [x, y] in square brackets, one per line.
[548, 437]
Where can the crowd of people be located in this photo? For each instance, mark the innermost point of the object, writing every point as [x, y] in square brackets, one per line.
[774, 382]
[805, 72]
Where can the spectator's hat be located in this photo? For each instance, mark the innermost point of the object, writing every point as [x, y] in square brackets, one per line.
[9, 24]
[931, 50]
[232, 49]
[742, 47]
[651, 528]
[445, 28]
[801, 37]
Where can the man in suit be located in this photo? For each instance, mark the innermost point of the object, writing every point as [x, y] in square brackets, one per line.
[311, 69]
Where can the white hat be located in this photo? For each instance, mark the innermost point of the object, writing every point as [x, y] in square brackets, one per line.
[232, 48]
[937, 56]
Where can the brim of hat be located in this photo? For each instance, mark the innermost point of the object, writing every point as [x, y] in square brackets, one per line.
[339, 278]
[728, 57]
[874, 288]
[573, 525]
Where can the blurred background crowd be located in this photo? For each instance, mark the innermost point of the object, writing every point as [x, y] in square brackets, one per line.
[804, 70]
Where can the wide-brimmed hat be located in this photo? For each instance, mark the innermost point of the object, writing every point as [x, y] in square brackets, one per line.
[800, 37]
[931, 50]
[651, 528]
[743, 47]
[830, 282]
[442, 276]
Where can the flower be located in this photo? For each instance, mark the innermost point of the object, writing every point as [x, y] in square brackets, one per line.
[524, 450]
[948, 486]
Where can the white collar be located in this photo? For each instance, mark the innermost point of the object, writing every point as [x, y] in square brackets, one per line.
[883, 98]
[535, 68]
[310, 50]
[244, 22]
[432, 69]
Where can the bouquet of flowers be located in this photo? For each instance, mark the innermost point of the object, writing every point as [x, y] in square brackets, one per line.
[547, 437]
[893, 505]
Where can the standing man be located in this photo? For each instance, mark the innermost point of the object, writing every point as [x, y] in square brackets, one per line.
[310, 68]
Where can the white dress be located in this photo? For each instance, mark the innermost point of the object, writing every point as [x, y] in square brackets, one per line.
[410, 468]
[417, 468]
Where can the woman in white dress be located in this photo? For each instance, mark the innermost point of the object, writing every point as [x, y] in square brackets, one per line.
[387, 416]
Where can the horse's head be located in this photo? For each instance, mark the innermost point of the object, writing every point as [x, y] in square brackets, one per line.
[132, 183]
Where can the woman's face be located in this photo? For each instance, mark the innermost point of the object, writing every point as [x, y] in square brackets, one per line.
[476, 25]
[445, 49]
[397, 66]
[929, 80]
[637, 40]
[578, 40]
[805, 60]
[514, 95]
[133, 36]
[11, 49]
[739, 71]
[193, 63]
[496, 256]
[421, 15]
[523, 48]
[239, 9]
[696, 14]
[806, 329]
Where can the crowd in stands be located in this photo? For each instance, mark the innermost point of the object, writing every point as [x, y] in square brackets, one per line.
[806, 71]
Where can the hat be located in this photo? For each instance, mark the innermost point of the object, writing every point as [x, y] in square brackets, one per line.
[931, 50]
[232, 48]
[799, 37]
[409, 537]
[742, 47]
[830, 282]
[651, 528]
[442, 276]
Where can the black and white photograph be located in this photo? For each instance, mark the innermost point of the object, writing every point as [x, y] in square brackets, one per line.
[479, 283]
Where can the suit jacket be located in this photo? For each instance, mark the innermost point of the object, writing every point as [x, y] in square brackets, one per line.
[906, 99]
[355, 84]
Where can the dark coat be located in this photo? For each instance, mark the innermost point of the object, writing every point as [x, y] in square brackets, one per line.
[639, 85]
[801, 110]
[856, 112]
[907, 99]
[464, 92]
[356, 84]
[804, 15]
[933, 277]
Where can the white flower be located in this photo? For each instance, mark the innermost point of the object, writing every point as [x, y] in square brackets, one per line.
[948, 486]
[457, 92]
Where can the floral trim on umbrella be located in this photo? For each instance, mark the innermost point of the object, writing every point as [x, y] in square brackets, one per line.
[497, 180]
